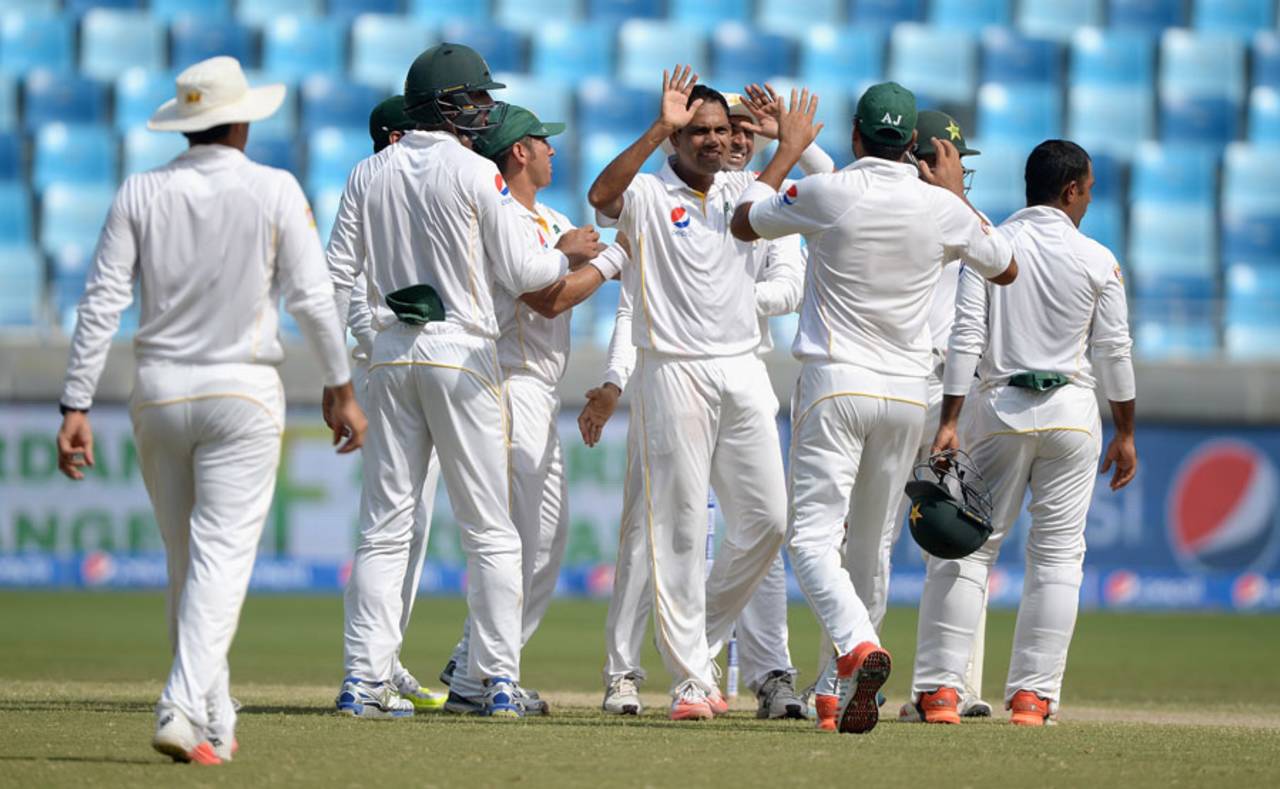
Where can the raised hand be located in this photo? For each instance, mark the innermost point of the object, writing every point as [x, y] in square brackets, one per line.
[764, 108]
[947, 171]
[796, 127]
[676, 87]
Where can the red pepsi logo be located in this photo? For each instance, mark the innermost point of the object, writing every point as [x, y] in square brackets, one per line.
[344, 574]
[97, 569]
[789, 196]
[1222, 508]
[600, 580]
[501, 185]
[1121, 588]
[1249, 590]
[680, 217]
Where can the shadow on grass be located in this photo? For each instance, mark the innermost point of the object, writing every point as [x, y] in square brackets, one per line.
[76, 705]
[87, 760]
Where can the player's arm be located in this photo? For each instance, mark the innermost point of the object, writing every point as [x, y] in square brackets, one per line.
[606, 193]
[360, 317]
[576, 286]
[344, 254]
[308, 296]
[966, 233]
[1111, 352]
[602, 401]
[108, 292]
[796, 132]
[781, 284]
[967, 343]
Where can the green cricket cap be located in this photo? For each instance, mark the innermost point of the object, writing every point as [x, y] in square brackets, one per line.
[387, 117]
[516, 124]
[930, 124]
[887, 114]
[417, 305]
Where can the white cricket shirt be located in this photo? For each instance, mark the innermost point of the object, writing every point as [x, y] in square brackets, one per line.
[1065, 313]
[214, 241]
[877, 238]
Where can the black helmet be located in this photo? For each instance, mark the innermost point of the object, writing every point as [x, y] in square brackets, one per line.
[950, 505]
[439, 84]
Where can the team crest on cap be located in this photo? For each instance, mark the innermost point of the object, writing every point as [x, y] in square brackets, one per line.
[501, 185]
[680, 217]
[789, 196]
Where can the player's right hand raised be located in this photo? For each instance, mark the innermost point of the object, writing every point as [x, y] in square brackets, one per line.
[580, 245]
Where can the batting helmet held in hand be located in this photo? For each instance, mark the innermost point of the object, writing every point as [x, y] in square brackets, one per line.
[950, 506]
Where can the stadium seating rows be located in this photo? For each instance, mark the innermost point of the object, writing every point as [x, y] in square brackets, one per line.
[1177, 100]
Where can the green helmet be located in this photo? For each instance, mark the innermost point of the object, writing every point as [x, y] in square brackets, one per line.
[439, 81]
[950, 506]
[930, 124]
[388, 117]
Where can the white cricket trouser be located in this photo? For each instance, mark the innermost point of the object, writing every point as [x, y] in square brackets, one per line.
[421, 518]
[706, 421]
[854, 435]
[433, 390]
[539, 508]
[208, 439]
[1058, 460]
[761, 630]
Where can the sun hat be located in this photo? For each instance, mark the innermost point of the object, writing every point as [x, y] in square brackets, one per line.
[213, 92]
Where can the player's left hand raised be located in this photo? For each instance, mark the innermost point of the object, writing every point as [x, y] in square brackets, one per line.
[676, 87]
[765, 105]
[796, 127]
[1123, 454]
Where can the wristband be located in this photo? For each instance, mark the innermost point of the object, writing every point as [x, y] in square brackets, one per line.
[66, 409]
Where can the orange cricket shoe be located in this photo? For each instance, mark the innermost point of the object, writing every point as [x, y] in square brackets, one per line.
[861, 673]
[940, 706]
[717, 702]
[827, 706]
[1029, 709]
[690, 703]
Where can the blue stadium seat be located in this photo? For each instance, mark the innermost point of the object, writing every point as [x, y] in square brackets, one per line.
[1167, 240]
[1113, 58]
[10, 156]
[705, 14]
[568, 51]
[1008, 57]
[1251, 342]
[1238, 17]
[1056, 19]
[971, 15]
[1149, 16]
[147, 150]
[383, 46]
[139, 93]
[885, 13]
[609, 108]
[324, 205]
[1202, 64]
[196, 39]
[15, 214]
[646, 47]
[1253, 295]
[503, 50]
[1104, 223]
[795, 17]
[550, 99]
[71, 216]
[299, 47]
[937, 63]
[1266, 59]
[1108, 176]
[999, 188]
[276, 151]
[36, 42]
[1173, 174]
[169, 10]
[82, 7]
[741, 55]
[1209, 121]
[330, 101]
[618, 11]
[1022, 114]
[112, 42]
[437, 12]
[22, 272]
[284, 122]
[350, 9]
[331, 153]
[595, 152]
[260, 13]
[1250, 239]
[1175, 299]
[843, 56]
[8, 102]
[63, 98]
[1155, 340]
[33, 7]
[835, 112]
[1249, 177]
[74, 155]
[1109, 120]
[528, 17]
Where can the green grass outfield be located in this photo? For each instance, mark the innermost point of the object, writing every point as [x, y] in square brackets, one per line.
[1151, 700]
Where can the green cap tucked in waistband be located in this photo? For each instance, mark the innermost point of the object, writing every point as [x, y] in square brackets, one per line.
[416, 304]
[387, 117]
[887, 114]
[516, 124]
[1038, 380]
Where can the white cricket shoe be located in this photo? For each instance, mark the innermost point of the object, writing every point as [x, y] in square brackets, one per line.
[622, 697]
[372, 700]
[176, 738]
[500, 699]
[777, 697]
[974, 707]
[530, 701]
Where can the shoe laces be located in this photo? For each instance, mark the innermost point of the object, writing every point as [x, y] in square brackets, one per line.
[624, 686]
[690, 692]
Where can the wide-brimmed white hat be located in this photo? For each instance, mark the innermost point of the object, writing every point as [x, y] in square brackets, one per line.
[213, 92]
[736, 107]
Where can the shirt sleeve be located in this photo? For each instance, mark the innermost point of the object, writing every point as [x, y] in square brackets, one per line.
[805, 206]
[633, 207]
[360, 319]
[345, 252]
[1111, 343]
[622, 354]
[967, 237]
[305, 283]
[781, 282]
[108, 292]
[814, 160]
[968, 333]
[516, 259]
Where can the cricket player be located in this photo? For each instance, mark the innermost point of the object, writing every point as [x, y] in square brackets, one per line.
[704, 410]
[877, 238]
[533, 350]
[214, 241]
[762, 627]
[387, 124]
[438, 233]
[1040, 348]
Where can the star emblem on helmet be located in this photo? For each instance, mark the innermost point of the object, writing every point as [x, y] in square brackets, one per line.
[954, 131]
[915, 513]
